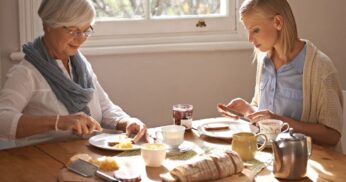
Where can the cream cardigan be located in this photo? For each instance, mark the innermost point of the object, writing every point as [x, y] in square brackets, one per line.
[322, 95]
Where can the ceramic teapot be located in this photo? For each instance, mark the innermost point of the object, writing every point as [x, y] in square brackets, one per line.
[291, 153]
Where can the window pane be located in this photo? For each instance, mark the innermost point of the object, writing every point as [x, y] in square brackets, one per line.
[187, 8]
[119, 9]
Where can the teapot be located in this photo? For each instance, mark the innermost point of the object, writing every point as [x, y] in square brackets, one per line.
[291, 152]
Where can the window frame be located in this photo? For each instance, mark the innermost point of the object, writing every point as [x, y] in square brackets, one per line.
[201, 39]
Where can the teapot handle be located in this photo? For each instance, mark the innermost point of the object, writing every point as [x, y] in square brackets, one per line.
[309, 145]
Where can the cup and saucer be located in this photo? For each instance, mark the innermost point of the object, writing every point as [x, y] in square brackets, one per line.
[271, 128]
[173, 137]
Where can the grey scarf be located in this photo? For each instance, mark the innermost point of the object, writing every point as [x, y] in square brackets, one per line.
[76, 94]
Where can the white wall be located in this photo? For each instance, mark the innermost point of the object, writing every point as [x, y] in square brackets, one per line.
[147, 85]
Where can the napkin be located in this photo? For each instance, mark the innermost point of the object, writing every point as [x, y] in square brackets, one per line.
[252, 168]
[181, 155]
[255, 166]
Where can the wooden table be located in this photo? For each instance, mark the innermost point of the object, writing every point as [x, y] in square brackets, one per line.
[45, 162]
[28, 164]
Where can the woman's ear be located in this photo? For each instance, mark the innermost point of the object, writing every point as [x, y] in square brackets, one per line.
[46, 28]
[278, 22]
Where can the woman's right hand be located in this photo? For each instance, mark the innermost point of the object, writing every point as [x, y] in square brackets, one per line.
[80, 123]
[238, 105]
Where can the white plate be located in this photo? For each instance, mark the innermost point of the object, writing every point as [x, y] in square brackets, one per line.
[101, 141]
[234, 127]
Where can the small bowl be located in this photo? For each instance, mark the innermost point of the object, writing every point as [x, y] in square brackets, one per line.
[153, 154]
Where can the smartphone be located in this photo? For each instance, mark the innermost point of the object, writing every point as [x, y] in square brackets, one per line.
[232, 112]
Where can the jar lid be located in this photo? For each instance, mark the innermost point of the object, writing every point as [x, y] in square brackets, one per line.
[127, 175]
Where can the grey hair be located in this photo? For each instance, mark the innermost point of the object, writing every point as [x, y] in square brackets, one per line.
[58, 13]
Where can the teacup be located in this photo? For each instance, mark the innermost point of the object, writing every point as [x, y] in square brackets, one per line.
[172, 135]
[245, 144]
[153, 154]
[272, 127]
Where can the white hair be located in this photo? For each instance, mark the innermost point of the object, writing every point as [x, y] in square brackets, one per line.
[58, 13]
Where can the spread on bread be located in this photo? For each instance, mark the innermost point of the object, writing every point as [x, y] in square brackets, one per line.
[120, 142]
[126, 144]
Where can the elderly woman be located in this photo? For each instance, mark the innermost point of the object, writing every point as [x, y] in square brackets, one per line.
[54, 94]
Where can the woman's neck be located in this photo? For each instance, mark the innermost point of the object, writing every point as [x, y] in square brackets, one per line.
[280, 59]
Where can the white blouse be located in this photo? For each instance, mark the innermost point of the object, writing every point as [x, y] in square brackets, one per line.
[27, 92]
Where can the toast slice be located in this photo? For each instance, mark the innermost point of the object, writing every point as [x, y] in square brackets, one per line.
[216, 126]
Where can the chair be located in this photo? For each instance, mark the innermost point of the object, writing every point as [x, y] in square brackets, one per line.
[343, 133]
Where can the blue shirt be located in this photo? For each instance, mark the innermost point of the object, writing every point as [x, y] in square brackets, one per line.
[282, 89]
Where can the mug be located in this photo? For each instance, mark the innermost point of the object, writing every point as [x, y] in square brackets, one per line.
[172, 135]
[272, 127]
[245, 144]
[153, 154]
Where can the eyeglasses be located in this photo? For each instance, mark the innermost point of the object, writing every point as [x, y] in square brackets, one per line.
[76, 33]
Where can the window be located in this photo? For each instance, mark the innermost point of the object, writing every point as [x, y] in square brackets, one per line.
[163, 25]
[163, 16]
[128, 26]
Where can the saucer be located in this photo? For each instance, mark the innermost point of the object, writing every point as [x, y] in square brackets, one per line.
[184, 147]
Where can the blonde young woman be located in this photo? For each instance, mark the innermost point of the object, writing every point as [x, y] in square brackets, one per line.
[295, 82]
[54, 94]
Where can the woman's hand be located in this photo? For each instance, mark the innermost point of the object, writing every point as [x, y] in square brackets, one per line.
[79, 122]
[135, 126]
[238, 105]
[261, 115]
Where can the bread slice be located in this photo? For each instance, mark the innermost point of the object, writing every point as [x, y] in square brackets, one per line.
[216, 126]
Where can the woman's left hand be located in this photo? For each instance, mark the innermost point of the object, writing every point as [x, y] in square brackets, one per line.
[261, 115]
[135, 126]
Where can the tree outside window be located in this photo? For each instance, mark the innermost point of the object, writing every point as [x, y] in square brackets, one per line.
[135, 9]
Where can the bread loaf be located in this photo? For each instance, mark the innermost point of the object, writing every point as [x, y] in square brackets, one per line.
[209, 167]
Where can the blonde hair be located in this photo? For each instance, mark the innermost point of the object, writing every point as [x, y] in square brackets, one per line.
[269, 8]
[58, 13]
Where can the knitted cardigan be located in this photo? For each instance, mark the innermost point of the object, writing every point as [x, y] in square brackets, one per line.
[322, 93]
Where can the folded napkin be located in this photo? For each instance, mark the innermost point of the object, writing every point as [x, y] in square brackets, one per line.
[181, 155]
[209, 167]
[255, 166]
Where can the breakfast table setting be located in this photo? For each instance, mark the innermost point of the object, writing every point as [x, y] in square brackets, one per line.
[165, 159]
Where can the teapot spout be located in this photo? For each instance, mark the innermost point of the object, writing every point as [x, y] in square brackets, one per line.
[277, 157]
